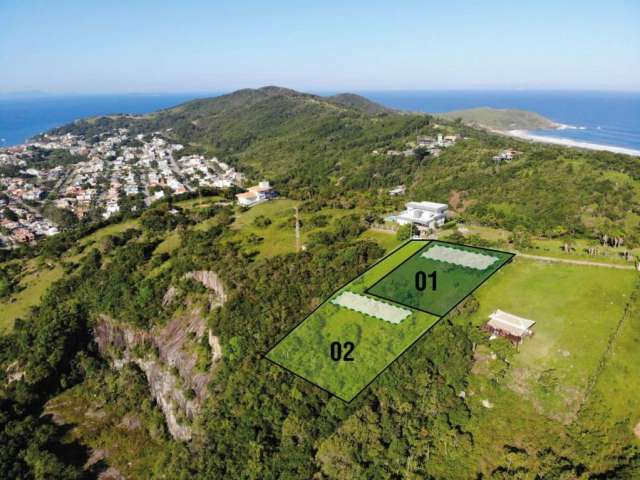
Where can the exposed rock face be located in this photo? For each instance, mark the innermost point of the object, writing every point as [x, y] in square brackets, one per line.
[169, 295]
[168, 356]
[14, 373]
[211, 281]
[172, 372]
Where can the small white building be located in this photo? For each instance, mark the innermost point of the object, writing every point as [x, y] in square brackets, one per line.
[399, 190]
[258, 193]
[511, 326]
[425, 214]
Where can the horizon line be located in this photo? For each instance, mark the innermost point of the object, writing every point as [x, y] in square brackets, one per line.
[328, 91]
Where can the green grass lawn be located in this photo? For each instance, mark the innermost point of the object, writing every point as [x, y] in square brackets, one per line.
[278, 237]
[488, 233]
[198, 202]
[169, 244]
[306, 350]
[41, 277]
[110, 230]
[619, 381]
[553, 247]
[386, 240]
[34, 285]
[576, 309]
[535, 391]
[453, 282]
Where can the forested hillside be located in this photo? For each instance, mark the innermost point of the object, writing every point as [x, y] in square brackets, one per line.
[311, 147]
[453, 406]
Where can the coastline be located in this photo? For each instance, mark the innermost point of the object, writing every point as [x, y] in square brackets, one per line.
[525, 135]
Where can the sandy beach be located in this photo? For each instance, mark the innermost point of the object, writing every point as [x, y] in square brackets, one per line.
[525, 135]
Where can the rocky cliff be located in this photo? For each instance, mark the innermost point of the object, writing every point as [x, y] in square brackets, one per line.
[178, 358]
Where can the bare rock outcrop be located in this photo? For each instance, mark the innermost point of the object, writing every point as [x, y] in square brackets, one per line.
[211, 281]
[168, 357]
[171, 355]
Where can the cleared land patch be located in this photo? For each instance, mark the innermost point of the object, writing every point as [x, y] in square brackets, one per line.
[352, 337]
[372, 307]
[33, 286]
[463, 258]
[576, 309]
[439, 277]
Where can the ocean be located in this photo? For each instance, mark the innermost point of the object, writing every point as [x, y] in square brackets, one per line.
[22, 118]
[603, 118]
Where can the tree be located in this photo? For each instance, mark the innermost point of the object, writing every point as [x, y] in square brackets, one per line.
[405, 232]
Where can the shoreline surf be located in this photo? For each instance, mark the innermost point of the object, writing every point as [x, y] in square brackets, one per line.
[566, 142]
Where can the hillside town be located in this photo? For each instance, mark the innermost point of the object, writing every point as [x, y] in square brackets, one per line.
[97, 176]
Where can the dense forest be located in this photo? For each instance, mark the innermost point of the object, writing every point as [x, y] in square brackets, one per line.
[258, 421]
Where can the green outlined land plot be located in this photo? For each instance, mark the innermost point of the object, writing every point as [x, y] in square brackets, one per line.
[345, 343]
[439, 276]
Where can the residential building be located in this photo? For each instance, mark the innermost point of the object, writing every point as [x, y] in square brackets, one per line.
[428, 215]
[256, 194]
[399, 190]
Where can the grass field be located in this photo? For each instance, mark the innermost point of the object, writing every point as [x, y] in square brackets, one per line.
[453, 282]
[198, 202]
[277, 239]
[306, 350]
[169, 244]
[386, 240]
[279, 236]
[576, 309]
[553, 247]
[33, 286]
[39, 277]
[110, 230]
[618, 383]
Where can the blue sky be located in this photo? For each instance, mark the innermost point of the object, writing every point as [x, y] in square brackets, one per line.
[96, 46]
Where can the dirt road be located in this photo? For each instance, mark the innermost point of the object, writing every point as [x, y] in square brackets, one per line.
[577, 262]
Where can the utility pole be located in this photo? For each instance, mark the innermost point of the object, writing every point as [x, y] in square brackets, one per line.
[297, 230]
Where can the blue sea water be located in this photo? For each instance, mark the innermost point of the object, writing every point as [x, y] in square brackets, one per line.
[604, 118]
[22, 118]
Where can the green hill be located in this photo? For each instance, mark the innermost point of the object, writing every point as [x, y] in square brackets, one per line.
[359, 102]
[562, 405]
[311, 145]
[500, 119]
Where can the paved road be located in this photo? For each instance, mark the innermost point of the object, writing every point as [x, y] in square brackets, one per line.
[577, 262]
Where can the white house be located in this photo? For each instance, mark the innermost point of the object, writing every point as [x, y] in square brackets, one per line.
[425, 214]
[258, 193]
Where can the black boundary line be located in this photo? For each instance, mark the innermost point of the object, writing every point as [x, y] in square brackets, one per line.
[440, 317]
[437, 314]
[399, 247]
[307, 380]
[264, 355]
[428, 242]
